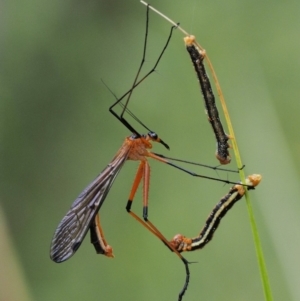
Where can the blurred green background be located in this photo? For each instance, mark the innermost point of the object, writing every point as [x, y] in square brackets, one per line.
[57, 135]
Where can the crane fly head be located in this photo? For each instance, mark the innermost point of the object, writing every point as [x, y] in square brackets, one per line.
[154, 137]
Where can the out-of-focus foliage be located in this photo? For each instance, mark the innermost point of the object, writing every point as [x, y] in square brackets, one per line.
[57, 135]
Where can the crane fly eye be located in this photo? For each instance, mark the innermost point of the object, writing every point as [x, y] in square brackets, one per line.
[153, 135]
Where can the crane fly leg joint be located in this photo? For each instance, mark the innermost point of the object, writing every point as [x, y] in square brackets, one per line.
[145, 213]
[128, 206]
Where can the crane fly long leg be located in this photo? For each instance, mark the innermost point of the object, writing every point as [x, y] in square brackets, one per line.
[98, 240]
[137, 81]
[143, 172]
[140, 68]
[200, 164]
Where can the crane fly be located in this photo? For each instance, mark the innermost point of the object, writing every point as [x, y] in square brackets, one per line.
[83, 214]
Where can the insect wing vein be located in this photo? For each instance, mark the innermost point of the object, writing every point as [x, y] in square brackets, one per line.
[74, 226]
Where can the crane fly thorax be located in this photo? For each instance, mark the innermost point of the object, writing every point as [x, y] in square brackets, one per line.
[138, 148]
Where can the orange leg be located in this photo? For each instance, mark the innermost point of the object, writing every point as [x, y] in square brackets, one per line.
[144, 172]
[98, 240]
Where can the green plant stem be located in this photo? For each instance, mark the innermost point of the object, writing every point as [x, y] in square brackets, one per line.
[257, 242]
[259, 252]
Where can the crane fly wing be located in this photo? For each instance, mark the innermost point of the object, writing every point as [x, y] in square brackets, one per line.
[74, 226]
